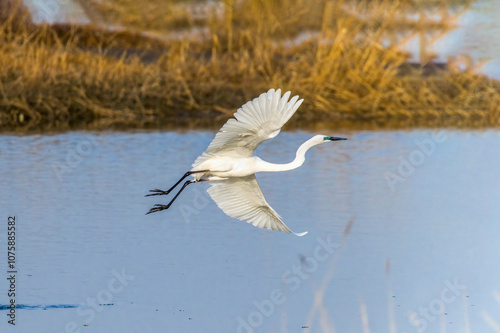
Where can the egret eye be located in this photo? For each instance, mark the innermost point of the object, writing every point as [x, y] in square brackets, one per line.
[326, 138]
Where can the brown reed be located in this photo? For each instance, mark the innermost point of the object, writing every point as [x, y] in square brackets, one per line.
[59, 76]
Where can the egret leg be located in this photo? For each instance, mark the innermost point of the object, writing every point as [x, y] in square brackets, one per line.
[161, 192]
[158, 207]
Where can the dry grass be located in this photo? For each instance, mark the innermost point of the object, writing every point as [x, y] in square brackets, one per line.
[61, 76]
[156, 15]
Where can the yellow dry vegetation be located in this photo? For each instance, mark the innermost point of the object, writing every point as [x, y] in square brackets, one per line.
[347, 66]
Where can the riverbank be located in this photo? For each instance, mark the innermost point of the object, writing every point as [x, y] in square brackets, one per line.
[61, 76]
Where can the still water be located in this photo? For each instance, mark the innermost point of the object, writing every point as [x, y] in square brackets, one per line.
[422, 251]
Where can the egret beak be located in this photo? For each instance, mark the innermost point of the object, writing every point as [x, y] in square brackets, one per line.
[332, 138]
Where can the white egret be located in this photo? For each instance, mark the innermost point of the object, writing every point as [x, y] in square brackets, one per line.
[230, 167]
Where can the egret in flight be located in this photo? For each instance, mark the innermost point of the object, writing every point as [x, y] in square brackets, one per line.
[229, 166]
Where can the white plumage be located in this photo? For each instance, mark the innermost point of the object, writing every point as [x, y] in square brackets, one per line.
[229, 165]
[256, 121]
[242, 198]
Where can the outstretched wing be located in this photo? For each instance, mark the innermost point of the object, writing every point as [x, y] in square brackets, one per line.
[242, 198]
[256, 121]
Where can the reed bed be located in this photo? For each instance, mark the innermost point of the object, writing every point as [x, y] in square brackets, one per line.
[61, 76]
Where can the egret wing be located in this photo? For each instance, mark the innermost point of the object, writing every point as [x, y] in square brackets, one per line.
[242, 198]
[256, 121]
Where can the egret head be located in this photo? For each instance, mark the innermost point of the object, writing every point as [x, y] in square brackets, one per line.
[333, 138]
[324, 138]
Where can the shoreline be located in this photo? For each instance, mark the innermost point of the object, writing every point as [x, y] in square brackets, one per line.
[215, 124]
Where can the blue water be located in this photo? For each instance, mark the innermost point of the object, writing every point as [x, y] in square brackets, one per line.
[472, 36]
[422, 250]
[6, 307]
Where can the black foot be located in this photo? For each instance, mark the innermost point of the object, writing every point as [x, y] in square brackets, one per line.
[157, 192]
[158, 208]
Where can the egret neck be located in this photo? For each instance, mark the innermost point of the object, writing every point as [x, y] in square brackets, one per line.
[300, 157]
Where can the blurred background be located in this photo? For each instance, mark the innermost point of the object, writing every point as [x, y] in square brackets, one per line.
[129, 64]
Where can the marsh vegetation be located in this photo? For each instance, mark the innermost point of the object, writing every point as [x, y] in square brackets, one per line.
[191, 63]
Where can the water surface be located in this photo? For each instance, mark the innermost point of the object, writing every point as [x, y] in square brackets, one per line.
[422, 250]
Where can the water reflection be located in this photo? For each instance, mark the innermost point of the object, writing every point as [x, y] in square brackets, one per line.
[437, 230]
